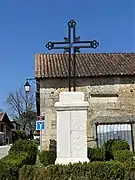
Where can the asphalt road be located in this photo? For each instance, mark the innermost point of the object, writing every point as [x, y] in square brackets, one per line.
[4, 150]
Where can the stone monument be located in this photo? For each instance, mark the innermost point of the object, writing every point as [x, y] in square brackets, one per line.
[71, 128]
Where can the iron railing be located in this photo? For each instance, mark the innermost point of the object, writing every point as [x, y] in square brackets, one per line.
[114, 130]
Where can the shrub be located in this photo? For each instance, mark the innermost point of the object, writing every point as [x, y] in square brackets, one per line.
[9, 166]
[107, 148]
[14, 158]
[36, 142]
[120, 145]
[96, 154]
[123, 155]
[86, 171]
[25, 146]
[114, 145]
[27, 172]
[21, 134]
[47, 157]
[21, 152]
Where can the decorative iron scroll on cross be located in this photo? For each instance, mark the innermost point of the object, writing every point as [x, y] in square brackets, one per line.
[69, 44]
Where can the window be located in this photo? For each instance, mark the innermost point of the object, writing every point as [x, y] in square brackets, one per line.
[106, 132]
[103, 98]
[104, 95]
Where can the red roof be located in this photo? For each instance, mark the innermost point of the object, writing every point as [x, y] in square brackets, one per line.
[87, 65]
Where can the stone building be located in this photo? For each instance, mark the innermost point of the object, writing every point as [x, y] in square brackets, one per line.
[107, 79]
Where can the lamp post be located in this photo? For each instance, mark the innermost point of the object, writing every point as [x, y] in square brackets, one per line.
[27, 90]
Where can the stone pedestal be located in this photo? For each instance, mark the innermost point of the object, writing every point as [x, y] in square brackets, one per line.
[71, 128]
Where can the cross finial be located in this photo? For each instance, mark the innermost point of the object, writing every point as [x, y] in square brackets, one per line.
[68, 44]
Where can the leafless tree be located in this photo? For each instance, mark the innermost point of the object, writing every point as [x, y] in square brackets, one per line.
[22, 108]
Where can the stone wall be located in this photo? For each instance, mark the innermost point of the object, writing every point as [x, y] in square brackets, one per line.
[110, 97]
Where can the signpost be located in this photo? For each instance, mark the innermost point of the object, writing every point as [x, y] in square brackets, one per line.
[40, 125]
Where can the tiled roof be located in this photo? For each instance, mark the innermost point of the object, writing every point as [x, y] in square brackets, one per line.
[87, 65]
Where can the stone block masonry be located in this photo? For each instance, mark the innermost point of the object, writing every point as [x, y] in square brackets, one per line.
[107, 97]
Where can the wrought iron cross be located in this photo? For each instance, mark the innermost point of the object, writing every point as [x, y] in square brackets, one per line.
[69, 44]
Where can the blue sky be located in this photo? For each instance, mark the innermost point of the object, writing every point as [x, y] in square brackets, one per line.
[25, 26]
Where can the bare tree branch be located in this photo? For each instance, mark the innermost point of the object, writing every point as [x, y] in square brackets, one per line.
[13, 103]
[17, 102]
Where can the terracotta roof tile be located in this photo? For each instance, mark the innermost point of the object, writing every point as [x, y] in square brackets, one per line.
[87, 64]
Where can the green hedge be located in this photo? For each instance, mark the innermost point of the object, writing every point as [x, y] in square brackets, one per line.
[47, 157]
[36, 141]
[120, 145]
[114, 145]
[21, 134]
[22, 152]
[87, 171]
[9, 166]
[96, 154]
[25, 146]
[28, 172]
[123, 155]
[106, 153]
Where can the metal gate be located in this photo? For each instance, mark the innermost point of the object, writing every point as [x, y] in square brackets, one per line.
[107, 131]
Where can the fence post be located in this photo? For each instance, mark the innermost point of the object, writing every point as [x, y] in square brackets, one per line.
[132, 137]
[96, 134]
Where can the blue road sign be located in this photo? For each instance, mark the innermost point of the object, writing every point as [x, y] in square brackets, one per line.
[40, 125]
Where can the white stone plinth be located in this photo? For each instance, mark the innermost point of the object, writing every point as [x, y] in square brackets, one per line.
[71, 128]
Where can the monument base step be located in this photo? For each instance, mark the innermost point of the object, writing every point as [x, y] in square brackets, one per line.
[70, 160]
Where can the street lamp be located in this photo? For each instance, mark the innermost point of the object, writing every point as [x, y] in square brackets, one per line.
[27, 90]
[27, 86]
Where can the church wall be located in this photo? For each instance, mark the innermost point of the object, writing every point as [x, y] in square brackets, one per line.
[111, 97]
